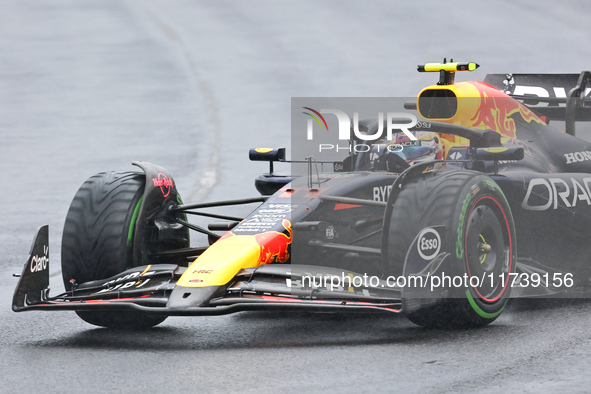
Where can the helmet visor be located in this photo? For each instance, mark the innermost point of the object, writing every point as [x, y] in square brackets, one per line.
[413, 153]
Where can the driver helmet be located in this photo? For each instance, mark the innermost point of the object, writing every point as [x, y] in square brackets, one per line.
[428, 146]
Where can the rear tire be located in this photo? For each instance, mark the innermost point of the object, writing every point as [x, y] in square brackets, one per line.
[97, 240]
[475, 214]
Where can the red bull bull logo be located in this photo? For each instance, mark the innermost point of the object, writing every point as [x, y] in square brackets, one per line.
[233, 252]
[274, 244]
[496, 110]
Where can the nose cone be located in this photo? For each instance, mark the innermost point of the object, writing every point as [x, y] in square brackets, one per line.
[213, 271]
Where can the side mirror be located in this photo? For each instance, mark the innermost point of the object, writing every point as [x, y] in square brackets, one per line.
[266, 154]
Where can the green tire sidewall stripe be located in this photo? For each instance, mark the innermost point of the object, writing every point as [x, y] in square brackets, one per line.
[479, 311]
[132, 223]
[460, 231]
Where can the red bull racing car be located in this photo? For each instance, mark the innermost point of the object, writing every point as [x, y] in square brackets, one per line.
[480, 200]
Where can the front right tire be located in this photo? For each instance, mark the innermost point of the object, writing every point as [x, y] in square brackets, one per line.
[97, 241]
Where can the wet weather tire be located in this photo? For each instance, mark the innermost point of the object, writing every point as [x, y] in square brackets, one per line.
[97, 240]
[479, 234]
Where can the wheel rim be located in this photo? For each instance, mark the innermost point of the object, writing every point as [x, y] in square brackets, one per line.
[488, 249]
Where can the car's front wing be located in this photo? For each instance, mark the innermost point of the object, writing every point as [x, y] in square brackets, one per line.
[150, 289]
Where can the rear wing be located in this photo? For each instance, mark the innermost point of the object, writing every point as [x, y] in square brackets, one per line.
[551, 96]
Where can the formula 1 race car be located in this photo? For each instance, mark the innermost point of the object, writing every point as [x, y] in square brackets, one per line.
[479, 201]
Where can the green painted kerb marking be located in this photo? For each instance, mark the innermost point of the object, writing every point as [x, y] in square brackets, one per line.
[133, 219]
[480, 312]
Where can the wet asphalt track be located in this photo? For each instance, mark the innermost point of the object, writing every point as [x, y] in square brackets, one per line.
[87, 86]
